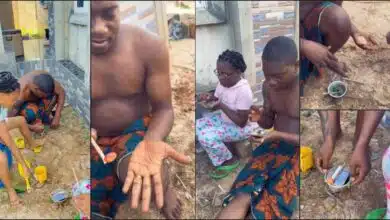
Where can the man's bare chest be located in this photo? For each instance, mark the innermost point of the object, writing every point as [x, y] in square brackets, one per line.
[117, 77]
[286, 104]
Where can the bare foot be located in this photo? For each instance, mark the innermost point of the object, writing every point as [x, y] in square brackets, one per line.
[14, 199]
[172, 205]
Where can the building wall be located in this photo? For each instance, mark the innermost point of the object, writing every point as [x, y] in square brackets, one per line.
[30, 17]
[6, 16]
[212, 40]
[270, 19]
[140, 13]
[1, 40]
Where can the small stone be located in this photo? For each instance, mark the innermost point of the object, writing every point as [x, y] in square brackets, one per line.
[218, 200]
[306, 113]
[329, 203]
[302, 206]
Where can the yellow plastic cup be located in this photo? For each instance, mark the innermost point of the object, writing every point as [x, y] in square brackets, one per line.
[41, 174]
[19, 141]
[306, 159]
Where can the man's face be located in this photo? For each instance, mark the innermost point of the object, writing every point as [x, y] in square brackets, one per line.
[279, 75]
[105, 25]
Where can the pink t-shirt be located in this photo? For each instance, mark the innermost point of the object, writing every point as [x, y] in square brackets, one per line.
[237, 97]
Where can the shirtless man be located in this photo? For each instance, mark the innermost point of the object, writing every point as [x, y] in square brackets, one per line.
[33, 96]
[325, 28]
[131, 114]
[273, 172]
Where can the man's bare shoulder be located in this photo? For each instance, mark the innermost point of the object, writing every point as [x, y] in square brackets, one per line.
[144, 42]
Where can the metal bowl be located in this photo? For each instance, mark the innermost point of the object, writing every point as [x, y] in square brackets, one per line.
[341, 84]
[59, 196]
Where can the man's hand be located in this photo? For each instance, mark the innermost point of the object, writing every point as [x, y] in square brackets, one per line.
[359, 165]
[364, 41]
[55, 123]
[322, 58]
[145, 164]
[323, 158]
[108, 158]
[270, 137]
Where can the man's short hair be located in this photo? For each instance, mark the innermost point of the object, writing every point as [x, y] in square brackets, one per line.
[280, 49]
[45, 82]
[8, 83]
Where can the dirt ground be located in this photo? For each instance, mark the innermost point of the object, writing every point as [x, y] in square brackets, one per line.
[368, 69]
[353, 203]
[182, 134]
[66, 147]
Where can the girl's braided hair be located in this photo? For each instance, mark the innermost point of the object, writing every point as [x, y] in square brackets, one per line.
[8, 83]
[234, 58]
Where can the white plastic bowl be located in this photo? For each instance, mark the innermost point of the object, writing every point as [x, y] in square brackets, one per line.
[336, 83]
[336, 188]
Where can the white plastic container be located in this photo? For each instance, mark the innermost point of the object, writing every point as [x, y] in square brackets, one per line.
[337, 188]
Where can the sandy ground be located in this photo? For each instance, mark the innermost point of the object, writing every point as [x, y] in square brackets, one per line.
[66, 147]
[368, 69]
[182, 135]
[353, 203]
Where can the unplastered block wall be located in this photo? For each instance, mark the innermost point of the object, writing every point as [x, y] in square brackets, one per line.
[270, 19]
[77, 93]
[140, 13]
[8, 63]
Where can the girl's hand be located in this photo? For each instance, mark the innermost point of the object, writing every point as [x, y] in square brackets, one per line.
[255, 113]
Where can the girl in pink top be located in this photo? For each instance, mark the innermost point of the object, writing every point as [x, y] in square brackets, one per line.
[234, 99]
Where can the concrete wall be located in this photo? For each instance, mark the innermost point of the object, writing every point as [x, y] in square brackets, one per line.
[6, 15]
[212, 40]
[249, 27]
[1, 40]
[140, 13]
[269, 19]
[30, 17]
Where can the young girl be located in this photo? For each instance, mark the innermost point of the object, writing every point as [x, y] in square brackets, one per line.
[8, 149]
[233, 97]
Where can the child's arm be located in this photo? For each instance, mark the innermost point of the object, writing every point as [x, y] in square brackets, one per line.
[239, 117]
[243, 103]
[267, 115]
[7, 140]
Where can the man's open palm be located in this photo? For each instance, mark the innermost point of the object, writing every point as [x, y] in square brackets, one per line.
[144, 165]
